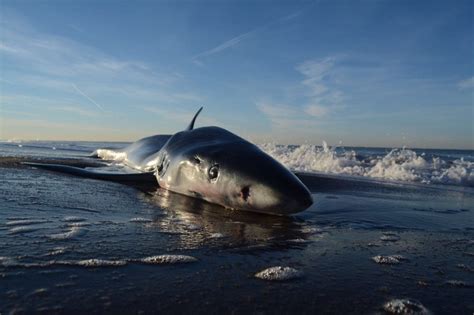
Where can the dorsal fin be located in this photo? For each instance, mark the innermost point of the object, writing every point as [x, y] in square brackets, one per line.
[191, 124]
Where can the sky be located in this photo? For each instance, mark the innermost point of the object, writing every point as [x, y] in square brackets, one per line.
[352, 73]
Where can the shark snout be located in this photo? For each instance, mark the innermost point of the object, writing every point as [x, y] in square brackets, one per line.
[281, 199]
[294, 199]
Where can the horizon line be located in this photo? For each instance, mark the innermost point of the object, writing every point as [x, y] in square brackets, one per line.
[255, 142]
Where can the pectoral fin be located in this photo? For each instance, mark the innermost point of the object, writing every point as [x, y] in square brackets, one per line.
[77, 171]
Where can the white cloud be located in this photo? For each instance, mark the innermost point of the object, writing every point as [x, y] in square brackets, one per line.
[56, 130]
[279, 115]
[285, 116]
[316, 88]
[323, 93]
[30, 103]
[64, 69]
[315, 70]
[320, 93]
[316, 110]
[466, 84]
[76, 28]
[55, 55]
[291, 16]
[62, 57]
[276, 111]
[9, 49]
[73, 110]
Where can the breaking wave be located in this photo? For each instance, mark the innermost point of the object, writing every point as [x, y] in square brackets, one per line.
[111, 155]
[396, 164]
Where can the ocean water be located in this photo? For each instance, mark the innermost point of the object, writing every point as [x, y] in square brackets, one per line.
[389, 229]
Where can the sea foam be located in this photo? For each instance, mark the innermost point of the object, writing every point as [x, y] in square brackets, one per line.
[389, 260]
[73, 219]
[111, 155]
[279, 273]
[140, 220]
[23, 229]
[405, 306]
[26, 222]
[100, 263]
[168, 259]
[74, 231]
[396, 165]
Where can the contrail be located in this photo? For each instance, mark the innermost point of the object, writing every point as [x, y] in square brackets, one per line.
[239, 38]
[90, 99]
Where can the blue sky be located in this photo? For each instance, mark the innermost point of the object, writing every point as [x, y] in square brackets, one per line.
[362, 73]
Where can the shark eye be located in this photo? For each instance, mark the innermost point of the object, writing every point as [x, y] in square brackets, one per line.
[163, 166]
[213, 172]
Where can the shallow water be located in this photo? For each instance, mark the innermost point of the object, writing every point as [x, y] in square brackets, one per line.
[74, 244]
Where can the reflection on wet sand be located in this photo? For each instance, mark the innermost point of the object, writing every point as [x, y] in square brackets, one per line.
[200, 223]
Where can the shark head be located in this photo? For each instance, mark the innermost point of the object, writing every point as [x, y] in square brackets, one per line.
[216, 165]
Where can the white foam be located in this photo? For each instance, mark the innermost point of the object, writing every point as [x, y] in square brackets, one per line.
[279, 273]
[57, 251]
[96, 262]
[193, 227]
[216, 235]
[40, 291]
[311, 230]
[7, 261]
[16, 264]
[168, 259]
[298, 240]
[23, 229]
[458, 283]
[93, 262]
[398, 164]
[140, 220]
[78, 224]
[460, 172]
[100, 263]
[388, 260]
[406, 307]
[25, 222]
[73, 219]
[74, 231]
[111, 155]
[390, 237]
